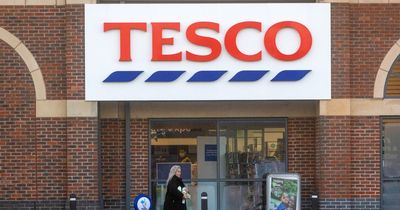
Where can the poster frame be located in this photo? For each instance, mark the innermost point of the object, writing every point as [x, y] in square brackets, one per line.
[284, 177]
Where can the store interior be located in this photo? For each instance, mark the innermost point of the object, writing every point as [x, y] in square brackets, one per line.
[227, 163]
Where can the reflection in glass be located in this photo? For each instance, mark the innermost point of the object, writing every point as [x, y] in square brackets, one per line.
[391, 150]
[241, 195]
[390, 198]
[391, 164]
[251, 150]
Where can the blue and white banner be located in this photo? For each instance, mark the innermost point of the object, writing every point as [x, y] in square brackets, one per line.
[207, 52]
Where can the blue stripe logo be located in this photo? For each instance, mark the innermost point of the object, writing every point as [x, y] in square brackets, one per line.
[122, 76]
[164, 76]
[290, 75]
[248, 76]
[207, 76]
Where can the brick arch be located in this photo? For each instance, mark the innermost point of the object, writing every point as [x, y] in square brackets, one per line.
[383, 71]
[30, 61]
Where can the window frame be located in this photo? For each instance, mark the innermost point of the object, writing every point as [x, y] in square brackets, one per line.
[381, 140]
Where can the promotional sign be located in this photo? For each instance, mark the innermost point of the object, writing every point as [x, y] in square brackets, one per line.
[283, 192]
[210, 152]
[205, 52]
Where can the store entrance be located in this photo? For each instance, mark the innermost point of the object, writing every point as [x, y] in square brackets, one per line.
[224, 158]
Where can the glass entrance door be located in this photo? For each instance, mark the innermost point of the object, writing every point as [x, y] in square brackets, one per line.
[227, 159]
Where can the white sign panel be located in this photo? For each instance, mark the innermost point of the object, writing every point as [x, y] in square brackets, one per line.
[197, 52]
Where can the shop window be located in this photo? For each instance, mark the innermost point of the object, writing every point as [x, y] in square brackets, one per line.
[217, 156]
[391, 164]
[250, 150]
[241, 195]
[392, 89]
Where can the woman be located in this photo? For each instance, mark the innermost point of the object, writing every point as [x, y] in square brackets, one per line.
[176, 191]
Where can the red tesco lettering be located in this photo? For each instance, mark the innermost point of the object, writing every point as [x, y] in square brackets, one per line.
[230, 40]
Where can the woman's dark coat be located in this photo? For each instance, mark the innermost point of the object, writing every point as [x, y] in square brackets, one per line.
[173, 198]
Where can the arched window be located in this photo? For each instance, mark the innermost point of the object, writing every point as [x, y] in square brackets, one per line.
[392, 86]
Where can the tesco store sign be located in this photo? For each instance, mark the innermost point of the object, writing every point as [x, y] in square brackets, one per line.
[197, 52]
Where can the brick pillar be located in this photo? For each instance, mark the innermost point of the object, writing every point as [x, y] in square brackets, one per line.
[341, 41]
[333, 133]
[333, 160]
[365, 164]
[139, 156]
[113, 162]
[82, 160]
[348, 162]
[113, 159]
[82, 148]
[75, 52]
[301, 154]
[51, 136]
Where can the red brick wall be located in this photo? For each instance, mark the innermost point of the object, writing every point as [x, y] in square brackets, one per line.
[113, 158]
[139, 156]
[362, 34]
[32, 150]
[82, 157]
[36, 166]
[75, 52]
[17, 128]
[365, 149]
[42, 30]
[55, 36]
[33, 157]
[51, 134]
[375, 29]
[348, 157]
[333, 157]
[301, 152]
[341, 23]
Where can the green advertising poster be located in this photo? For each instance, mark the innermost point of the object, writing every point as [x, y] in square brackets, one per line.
[283, 192]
